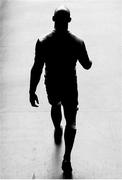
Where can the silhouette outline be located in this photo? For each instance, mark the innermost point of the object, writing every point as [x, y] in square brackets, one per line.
[59, 51]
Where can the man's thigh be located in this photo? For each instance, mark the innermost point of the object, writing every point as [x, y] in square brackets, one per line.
[53, 95]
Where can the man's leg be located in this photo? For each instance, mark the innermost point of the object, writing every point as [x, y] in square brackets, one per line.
[56, 118]
[69, 136]
[56, 115]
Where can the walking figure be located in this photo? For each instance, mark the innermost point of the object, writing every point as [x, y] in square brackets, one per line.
[59, 52]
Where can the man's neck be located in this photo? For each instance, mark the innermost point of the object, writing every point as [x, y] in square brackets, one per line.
[61, 32]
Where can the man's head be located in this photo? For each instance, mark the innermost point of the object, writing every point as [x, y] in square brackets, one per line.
[61, 18]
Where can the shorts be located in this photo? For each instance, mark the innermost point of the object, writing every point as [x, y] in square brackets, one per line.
[67, 95]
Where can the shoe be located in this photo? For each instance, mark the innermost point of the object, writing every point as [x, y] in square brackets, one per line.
[66, 167]
[58, 135]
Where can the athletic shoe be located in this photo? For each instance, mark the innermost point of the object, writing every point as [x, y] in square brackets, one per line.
[66, 167]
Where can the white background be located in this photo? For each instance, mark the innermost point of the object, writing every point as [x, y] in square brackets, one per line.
[98, 23]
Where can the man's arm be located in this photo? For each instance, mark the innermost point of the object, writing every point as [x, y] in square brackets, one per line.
[36, 73]
[83, 56]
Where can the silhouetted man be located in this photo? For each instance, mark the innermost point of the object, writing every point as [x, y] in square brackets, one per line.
[59, 51]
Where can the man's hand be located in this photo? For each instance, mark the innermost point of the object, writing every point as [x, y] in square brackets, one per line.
[33, 99]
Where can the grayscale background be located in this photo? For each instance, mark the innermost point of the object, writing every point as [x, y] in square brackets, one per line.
[27, 147]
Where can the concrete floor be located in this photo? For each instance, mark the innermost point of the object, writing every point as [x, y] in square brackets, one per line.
[27, 148]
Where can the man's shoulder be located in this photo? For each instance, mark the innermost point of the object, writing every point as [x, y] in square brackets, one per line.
[42, 41]
[76, 38]
[45, 38]
[78, 41]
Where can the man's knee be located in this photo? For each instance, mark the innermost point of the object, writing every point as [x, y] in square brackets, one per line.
[71, 125]
[56, 110]
[70, 116]
[56, 105]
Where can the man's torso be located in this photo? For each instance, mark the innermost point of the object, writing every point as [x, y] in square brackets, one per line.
[60, 57]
